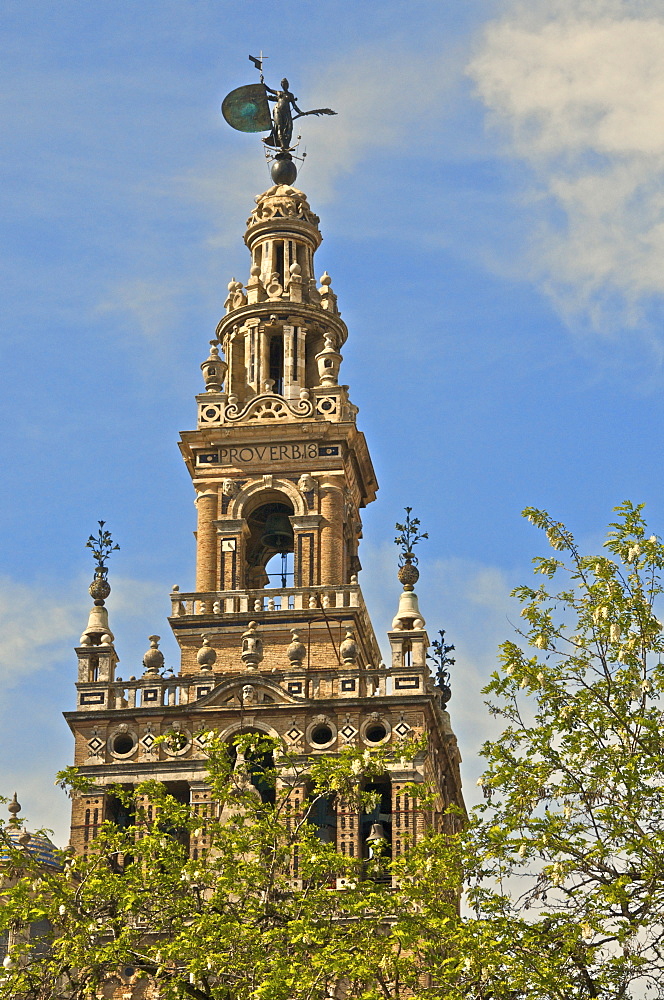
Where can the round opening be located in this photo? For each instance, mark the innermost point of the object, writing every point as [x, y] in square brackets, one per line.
[375, 734]
[321, 735]
[123, 743]
[176, 741]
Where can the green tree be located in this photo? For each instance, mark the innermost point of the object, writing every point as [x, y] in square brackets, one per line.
[563, 863]
[566, 868]
[245, 919]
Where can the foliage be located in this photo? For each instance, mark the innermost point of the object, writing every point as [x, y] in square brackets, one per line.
[233, 922]
[569, 850]
[563, 862]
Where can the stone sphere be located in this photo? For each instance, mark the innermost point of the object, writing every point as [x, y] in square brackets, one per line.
[283, 171]
[100, 588]
[297, 651]
[206, 656]
[153, 660]
[408, 575]
[348, 648]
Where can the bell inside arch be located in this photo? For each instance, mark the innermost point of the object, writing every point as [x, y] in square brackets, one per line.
[278, 533]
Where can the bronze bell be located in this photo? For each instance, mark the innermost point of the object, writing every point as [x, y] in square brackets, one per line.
[377, 834]
[278, 533]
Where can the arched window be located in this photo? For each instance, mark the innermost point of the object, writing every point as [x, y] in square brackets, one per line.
[323, 817]
[379, 820]
[271, 535]
[260, 764]
[277, 363]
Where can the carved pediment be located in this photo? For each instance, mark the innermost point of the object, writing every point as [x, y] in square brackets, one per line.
[247, 691]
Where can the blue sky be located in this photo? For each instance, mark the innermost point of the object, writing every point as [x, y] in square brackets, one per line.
[491, 196]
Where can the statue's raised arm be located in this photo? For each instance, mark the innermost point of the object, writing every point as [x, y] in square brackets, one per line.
[285, 103]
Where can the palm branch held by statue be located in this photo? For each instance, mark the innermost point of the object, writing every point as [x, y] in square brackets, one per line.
[282, 116]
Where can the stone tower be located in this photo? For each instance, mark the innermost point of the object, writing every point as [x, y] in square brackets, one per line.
[280, 473]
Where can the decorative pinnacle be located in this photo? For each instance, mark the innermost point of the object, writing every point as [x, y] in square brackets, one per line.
[14, 808]
[442, 661]
[102, 546]
[408, 537]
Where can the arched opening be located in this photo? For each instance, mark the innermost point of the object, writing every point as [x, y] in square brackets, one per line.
[271, 535]
[260, 764]
[120, 813]
[123, 815]
[378, 822]
[279, 570]
[323, 817]
[277, 363]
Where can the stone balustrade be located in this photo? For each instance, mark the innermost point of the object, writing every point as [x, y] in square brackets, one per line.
[267, 601]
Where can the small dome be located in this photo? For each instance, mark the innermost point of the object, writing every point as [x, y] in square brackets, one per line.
[39, 847]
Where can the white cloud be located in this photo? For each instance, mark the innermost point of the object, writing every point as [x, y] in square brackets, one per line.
[36, 626]
[577, 89]
[147, 306]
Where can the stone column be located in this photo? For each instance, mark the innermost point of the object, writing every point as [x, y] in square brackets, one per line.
[288, 361]
[263, 375]
[306, 528]
[332, 534]
[206, 541]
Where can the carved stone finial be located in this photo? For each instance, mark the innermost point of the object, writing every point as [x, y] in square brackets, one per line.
[214, 370]
[206, 656]
[408, 574]
[329, 361]
[14, 808]
[297, 651]
[153, 660]
[252, 647]
[348, 649]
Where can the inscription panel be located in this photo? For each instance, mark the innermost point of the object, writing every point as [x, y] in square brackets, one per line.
[254, 454]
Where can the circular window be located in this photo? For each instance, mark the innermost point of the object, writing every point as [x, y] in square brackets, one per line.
[176, 741]
[123, 743]
[321, 734]
[375, 731]
[375, 734]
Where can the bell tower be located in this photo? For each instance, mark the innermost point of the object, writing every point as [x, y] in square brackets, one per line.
[275, 637]
[278, 464]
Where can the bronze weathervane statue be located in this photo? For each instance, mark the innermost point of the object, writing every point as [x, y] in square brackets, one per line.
[247, 110]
